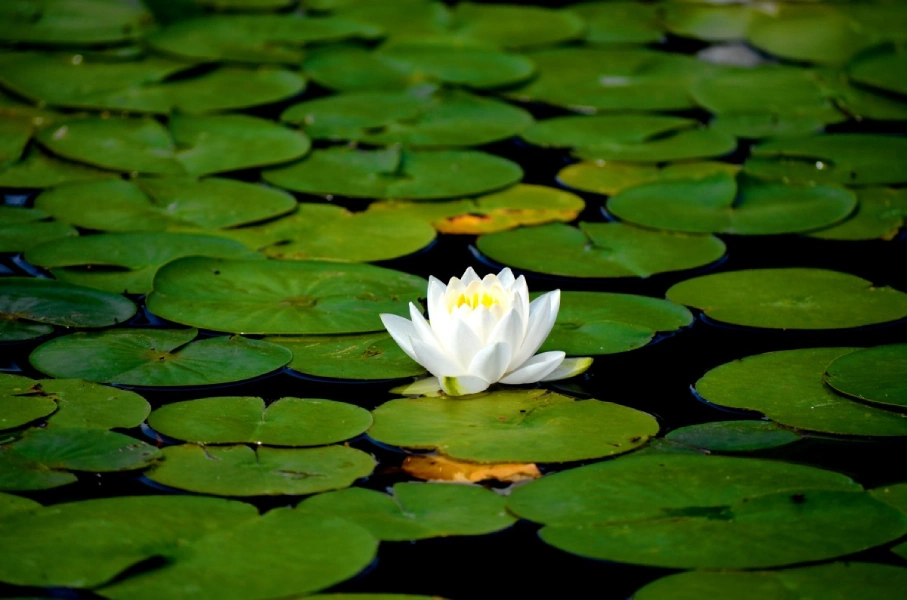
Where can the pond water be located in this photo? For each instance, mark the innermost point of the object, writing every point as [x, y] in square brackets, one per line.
[111, 155]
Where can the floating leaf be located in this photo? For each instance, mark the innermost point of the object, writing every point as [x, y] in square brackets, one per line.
[788, 387]
[286, 422]
[395, 173]
[281, 297]
[10, 504]
[17, 405]
[880, 214]
[791, 298]
[435, 467]
[609, 178]
[86, 22]
[734, 436]
[22, 228]
[513, 426]
[620, 22]
[875, 375]
[157, 357]
[29, 306]
[415, 511]
[243, 471]
[38, 169]
[885, 69]
[712, 22]
[515, 26]
[599, 250]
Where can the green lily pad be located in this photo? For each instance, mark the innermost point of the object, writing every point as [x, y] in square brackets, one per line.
[14, 137]
[249, 5]
[791, 299]
[893, 495]
[243, 471]
[835, 580]
[324, 231]
[284, 552]
[163, 203]
[193, 145]
[599, 250]
[366, 356]
[397, 18]
[885, 69]
[734, 436]
[643, 138]
[29, 306]
[609, 178]
[513, 426]
[757, 126]
[605, 323]
[416, 511]
[43, 458]
[728, 512]
[875, 375]
[449, 118]
[254, 38]
[712, 22]
[17, 405]
[281, 297]
[721, 204]
[620, 22]
[64, 22]
[94, 540]
[595, 79]
[515, 26]
[880, 214]
[10, 504]
[38, 169]
[22, 228]
[396, 173]
[407, 64]
[157, 357]
[243, 419]
[788, 387]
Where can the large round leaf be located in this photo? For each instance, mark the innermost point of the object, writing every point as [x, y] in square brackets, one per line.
[38, 169]
[29, 306]
[513, 426]
[22, 228]
[64, 22]
[609, 178]
[157, 357]
[243, 419]
[515, 26]
[395, 173]
[243, 471]
[416, 511]
[712, 22]
[599, 250]
[880, 214]
[788, 387]
[791, 298]
[875, 375]
[733, 436]
[18, 405]
[620, 22]
[281, 297]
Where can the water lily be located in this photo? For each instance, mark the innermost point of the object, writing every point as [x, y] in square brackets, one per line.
[480, 332]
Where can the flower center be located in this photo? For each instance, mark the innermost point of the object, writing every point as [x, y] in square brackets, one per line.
[477, 299]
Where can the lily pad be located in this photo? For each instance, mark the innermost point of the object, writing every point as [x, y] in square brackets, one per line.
[43, 458]
[885, 69]
[620, 22]
[17, 405]
[254, 38]
[600, 250]
[513, 426]
[721, 204]
[126, 262]
[10, 504]
[324, 231]
[450, 118]
[605, 323]
[728, 512]
[366, 356]
[281, 297]
[788, 387]
[835, 580]
[515, 26]
[791, 298]
[37, 169]
[875, 375]
[713, 22]
[164, 203]
[243, 471]
[609, 178]
[243, 419]
[65, 22]
[396, 173]
[734, 436]
[30, 306]
[880, 214]
[157, 357]
[193, 145]
[642, 138]
[22, 228]
[849, 158]
[416, 511]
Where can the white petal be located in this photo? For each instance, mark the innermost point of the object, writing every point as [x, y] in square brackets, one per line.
[462, 344]
[542, 313]
[536, 368]
[423, 331]
[429, 386]
[402, 331]
[469, 276]
[569, 368]
[508, 329]
[463, 385]
[521, 303]
[436, 296]
[481, 321]
[506, 277]
[491, 362]
[437, 363]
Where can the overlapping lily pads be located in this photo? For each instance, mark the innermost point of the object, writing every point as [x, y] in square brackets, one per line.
[22, 228]
[791, 298]
[788, 387]
[416, 511]
[157, 357]
[734, 436]
[396, 173]
[281, 297]
[880, 214]
[884, 68]
[600, 250]
[713, 22]
[722, 513]
[513, 426]
[874, 375]
[29, 307]
[17, 405]
[620, 22]
[243, 419]
[609, 178]
[64, 22]
[38, 169]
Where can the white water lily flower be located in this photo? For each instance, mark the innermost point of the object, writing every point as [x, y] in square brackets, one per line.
[480, 332]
